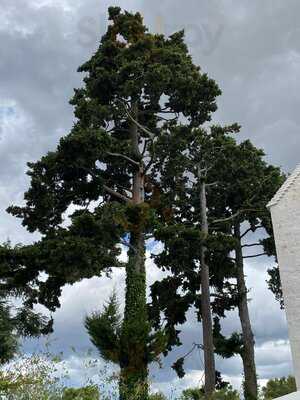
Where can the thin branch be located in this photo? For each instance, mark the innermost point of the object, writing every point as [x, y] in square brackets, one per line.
[211, 184]
[147, 167]
[246, 232]
[124, 188]
[117, 194]
[108, 189]
[142, 128]
[145, 146]
[116, 128]
[125, 158]
[195, 346]
[226, 219]
[147, 237]
[159, 117]
[251, 229]
[233, 216]
[256, 255]
[200, 172]
[252, 245]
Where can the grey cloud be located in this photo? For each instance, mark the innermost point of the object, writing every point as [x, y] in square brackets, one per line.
[256, 63]
[251, 49]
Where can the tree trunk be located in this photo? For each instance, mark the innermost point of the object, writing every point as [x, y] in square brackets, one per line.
[135, 329]
[248, 354]
[134, 365]
[209, 358]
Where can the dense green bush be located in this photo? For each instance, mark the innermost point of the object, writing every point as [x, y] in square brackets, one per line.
[198, 394]
[279, 387]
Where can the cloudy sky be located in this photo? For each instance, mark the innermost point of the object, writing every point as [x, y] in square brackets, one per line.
[251, 48]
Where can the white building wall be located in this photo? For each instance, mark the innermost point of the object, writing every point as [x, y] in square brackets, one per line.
[286, 224]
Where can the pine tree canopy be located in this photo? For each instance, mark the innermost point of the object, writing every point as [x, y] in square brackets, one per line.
[136, 79]
[239, 186]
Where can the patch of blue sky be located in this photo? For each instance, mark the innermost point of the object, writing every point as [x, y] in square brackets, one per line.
[7, 111]
[151, 244]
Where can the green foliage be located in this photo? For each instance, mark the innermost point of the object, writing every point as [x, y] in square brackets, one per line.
[16, 322]
[86, 393]
[8, 337]
[239, 185]
[104, 329]
[30, 378]
[41, 377]
[279, 387]
[115, 169]
[226, 347]
[227, 393]
[178, 367]
[130, 63]
[157, 396]
[274, 284]
[192, 394]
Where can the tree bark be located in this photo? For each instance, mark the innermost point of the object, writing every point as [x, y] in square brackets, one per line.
[248, 353]
[208, 345]
[135, 329]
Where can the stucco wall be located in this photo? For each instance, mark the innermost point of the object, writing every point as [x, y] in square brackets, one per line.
[286, 223]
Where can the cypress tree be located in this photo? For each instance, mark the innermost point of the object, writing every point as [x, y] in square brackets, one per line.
[135, 86]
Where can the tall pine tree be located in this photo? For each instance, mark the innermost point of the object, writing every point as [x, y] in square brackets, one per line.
[135, 86]
[193, 250]
[249, 183]
[236, 185]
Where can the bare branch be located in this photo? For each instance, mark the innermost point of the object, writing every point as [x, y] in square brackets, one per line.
[233, 216]
[211, 184]
[252, 245]
[251, 229]
[117, 194]
[227, 219]
[201, 171]
[256, 255]
[142, 128]
[125, 158]
[147, 237]
[124, 188]
[108, 189]
[147, 167]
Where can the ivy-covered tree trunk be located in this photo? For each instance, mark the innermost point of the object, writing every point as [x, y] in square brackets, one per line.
[134, 370]
[135, 329]
[248, 355]
[208, 344]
